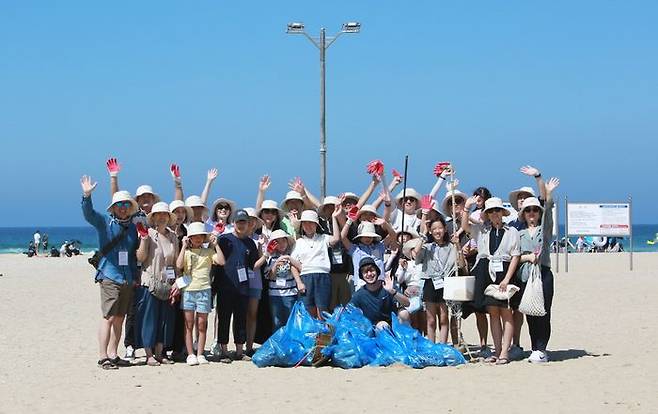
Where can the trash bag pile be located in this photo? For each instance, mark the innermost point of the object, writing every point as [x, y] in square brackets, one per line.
[355, 343]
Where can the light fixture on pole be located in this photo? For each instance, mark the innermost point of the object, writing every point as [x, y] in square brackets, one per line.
[323, 43]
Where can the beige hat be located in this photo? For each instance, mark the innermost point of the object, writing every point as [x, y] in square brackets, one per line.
[222, 200]
[189, 213]
[368, 208]
[160, 207]
[196, 228]
[310, 215]
[495, 202]
[269, 205]
[329, 200]
[291, 195]
[410, 231]
[252, 213]
[514, 196]
[410, 245]
[146, 189]
[280, 234]
[195, 201]
[448, 199]
[123, 196]
[530, 202]
[367, 229]
[410, 193]
[352, 196]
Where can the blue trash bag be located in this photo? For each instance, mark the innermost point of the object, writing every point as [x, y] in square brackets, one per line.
[291, 343]
[352, 345]
[421, 352]
[389, 349]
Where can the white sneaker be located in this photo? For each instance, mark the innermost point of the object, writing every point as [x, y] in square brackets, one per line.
[215, 349]
[201, 360]
[515, 353]
[130, 353]
[538, 357]
[192, 360]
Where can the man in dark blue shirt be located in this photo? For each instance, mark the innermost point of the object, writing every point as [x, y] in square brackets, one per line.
[376, 298]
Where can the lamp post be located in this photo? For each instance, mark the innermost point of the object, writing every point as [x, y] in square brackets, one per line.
[323, 43]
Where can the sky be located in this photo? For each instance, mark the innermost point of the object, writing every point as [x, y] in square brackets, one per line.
[570, 87]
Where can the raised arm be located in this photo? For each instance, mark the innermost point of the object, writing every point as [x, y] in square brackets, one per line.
[338, 210]
[347, 244]
[534, 172]
[212, 174]
[178, 184]
[310, 201]
[263, 186]
[180, 260]
[113, 167]
[363, 200]
[466, 224]
[92, 216]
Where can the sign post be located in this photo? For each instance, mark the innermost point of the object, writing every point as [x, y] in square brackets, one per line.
[566, 235]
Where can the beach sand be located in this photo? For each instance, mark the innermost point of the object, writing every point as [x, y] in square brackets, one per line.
[604, 327]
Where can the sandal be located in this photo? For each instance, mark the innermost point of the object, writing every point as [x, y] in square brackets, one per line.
[491, 360]
[164, 361]
[120, 362]
[502, 361]
[224, 358]
[106, 363]
[152, 362]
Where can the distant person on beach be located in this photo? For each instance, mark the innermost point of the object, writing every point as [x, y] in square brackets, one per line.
[37, 242]
[117, 268]
[44, 242]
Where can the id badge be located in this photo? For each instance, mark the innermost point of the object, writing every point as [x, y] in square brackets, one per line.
[438, 283]
[170, 272]
[123, 258]
[242, 274]
[337, 257]
[280, 282]
[183, 281]
[497, 265]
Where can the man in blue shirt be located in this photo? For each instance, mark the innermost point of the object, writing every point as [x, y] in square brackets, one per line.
[376, 298]
[117, 268]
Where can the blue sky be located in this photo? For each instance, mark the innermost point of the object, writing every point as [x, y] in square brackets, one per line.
[570, 87]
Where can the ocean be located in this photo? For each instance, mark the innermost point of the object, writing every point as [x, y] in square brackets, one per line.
[16, 239]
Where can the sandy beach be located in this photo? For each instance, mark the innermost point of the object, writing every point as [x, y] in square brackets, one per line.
[603, 323]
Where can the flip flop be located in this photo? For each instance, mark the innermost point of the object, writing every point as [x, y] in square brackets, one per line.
[491, 360]
[224, 358]
[106, 363]
[120, 362]
[152, 362]
[164, 361]
[502, 361]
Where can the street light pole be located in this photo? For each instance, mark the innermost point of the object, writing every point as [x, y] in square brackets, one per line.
[322, 44]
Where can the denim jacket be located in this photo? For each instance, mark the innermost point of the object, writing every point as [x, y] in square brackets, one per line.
[108, 228]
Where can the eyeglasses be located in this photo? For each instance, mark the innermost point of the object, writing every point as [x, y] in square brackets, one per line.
[223, 207]
[124, 204]
[410, 200]
[532, 210]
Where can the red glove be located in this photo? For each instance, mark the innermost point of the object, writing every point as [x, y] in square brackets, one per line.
[438, 169]
[142, 230]
[272, 246]
[175, 170]
[396, 173]
[353, 214]
[375, 167]
[113, 167]
[218, 229]
[426, 203]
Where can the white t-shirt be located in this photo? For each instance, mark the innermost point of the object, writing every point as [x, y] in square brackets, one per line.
[313, 253]
[410, 221]
[37, 238]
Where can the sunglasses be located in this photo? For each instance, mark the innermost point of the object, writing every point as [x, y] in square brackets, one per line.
[124, 204]
[410, 200]
[532, 210]
[268, 211]
[495, 210]
[223, 207]
[458, 201]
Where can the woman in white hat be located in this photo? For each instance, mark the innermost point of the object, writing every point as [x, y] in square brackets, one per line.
[407, 203]
[496, 263]
[517, 196]
[184, 215]
[535, 245]
[311, 257]
[155, 316]
[221, 213]
[199, 209]
[273, 217]
[116, 269]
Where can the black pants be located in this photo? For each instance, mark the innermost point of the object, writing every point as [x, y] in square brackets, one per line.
[231, 303]
[129, 329]
[540, 326]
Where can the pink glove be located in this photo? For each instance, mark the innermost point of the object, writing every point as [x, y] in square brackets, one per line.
[375, 167]
[426, 203]
[113, 167]
[353, 214]
[396, 173]
[218, 229]
[272, 246]
[175, 171]
[438, 169]
[142, 230]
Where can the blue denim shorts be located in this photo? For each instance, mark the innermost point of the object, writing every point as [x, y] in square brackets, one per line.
[197, 300]
[318, 290]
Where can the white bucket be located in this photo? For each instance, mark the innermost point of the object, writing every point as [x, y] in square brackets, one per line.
[459, 288]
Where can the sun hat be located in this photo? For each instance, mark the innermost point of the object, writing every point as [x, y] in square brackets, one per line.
[310, 215]
[410, 245]
[160, 207]
[222, 200]
[514, 196]
[189, 213]
[123, 196]
[280, 234]
[368, 261]
[241, 215]
[196, 228]
[269, 205]
[351, 196]
[409, 193]
[327, 201]
[252, 214]
[448, 199]
[367, 229]
[530, 202]
[195, 201]
[368, 208]
[410, 231]
[146, 189]
[291, 195]
[495, 202]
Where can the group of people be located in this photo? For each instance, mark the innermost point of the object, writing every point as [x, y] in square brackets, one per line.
[164, 267]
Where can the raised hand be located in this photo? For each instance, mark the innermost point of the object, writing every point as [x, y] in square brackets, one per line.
[396, 174]
[378, 221]
[426, 203]
[440, 167]
[113, 167]
[264, 183]
[218, 229]
[212, 174]
[142, 230]
[388, 284]
[552, 184]
[175, 172]
[212, 239]
[375, 167]
[296, 184]
[470, 202]
[272, 246]
[87, 186]
[530, 171]
[338, 210]
[452, 186]
[353, 214]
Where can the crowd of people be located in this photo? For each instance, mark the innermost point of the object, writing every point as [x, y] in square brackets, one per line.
[163, 267]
